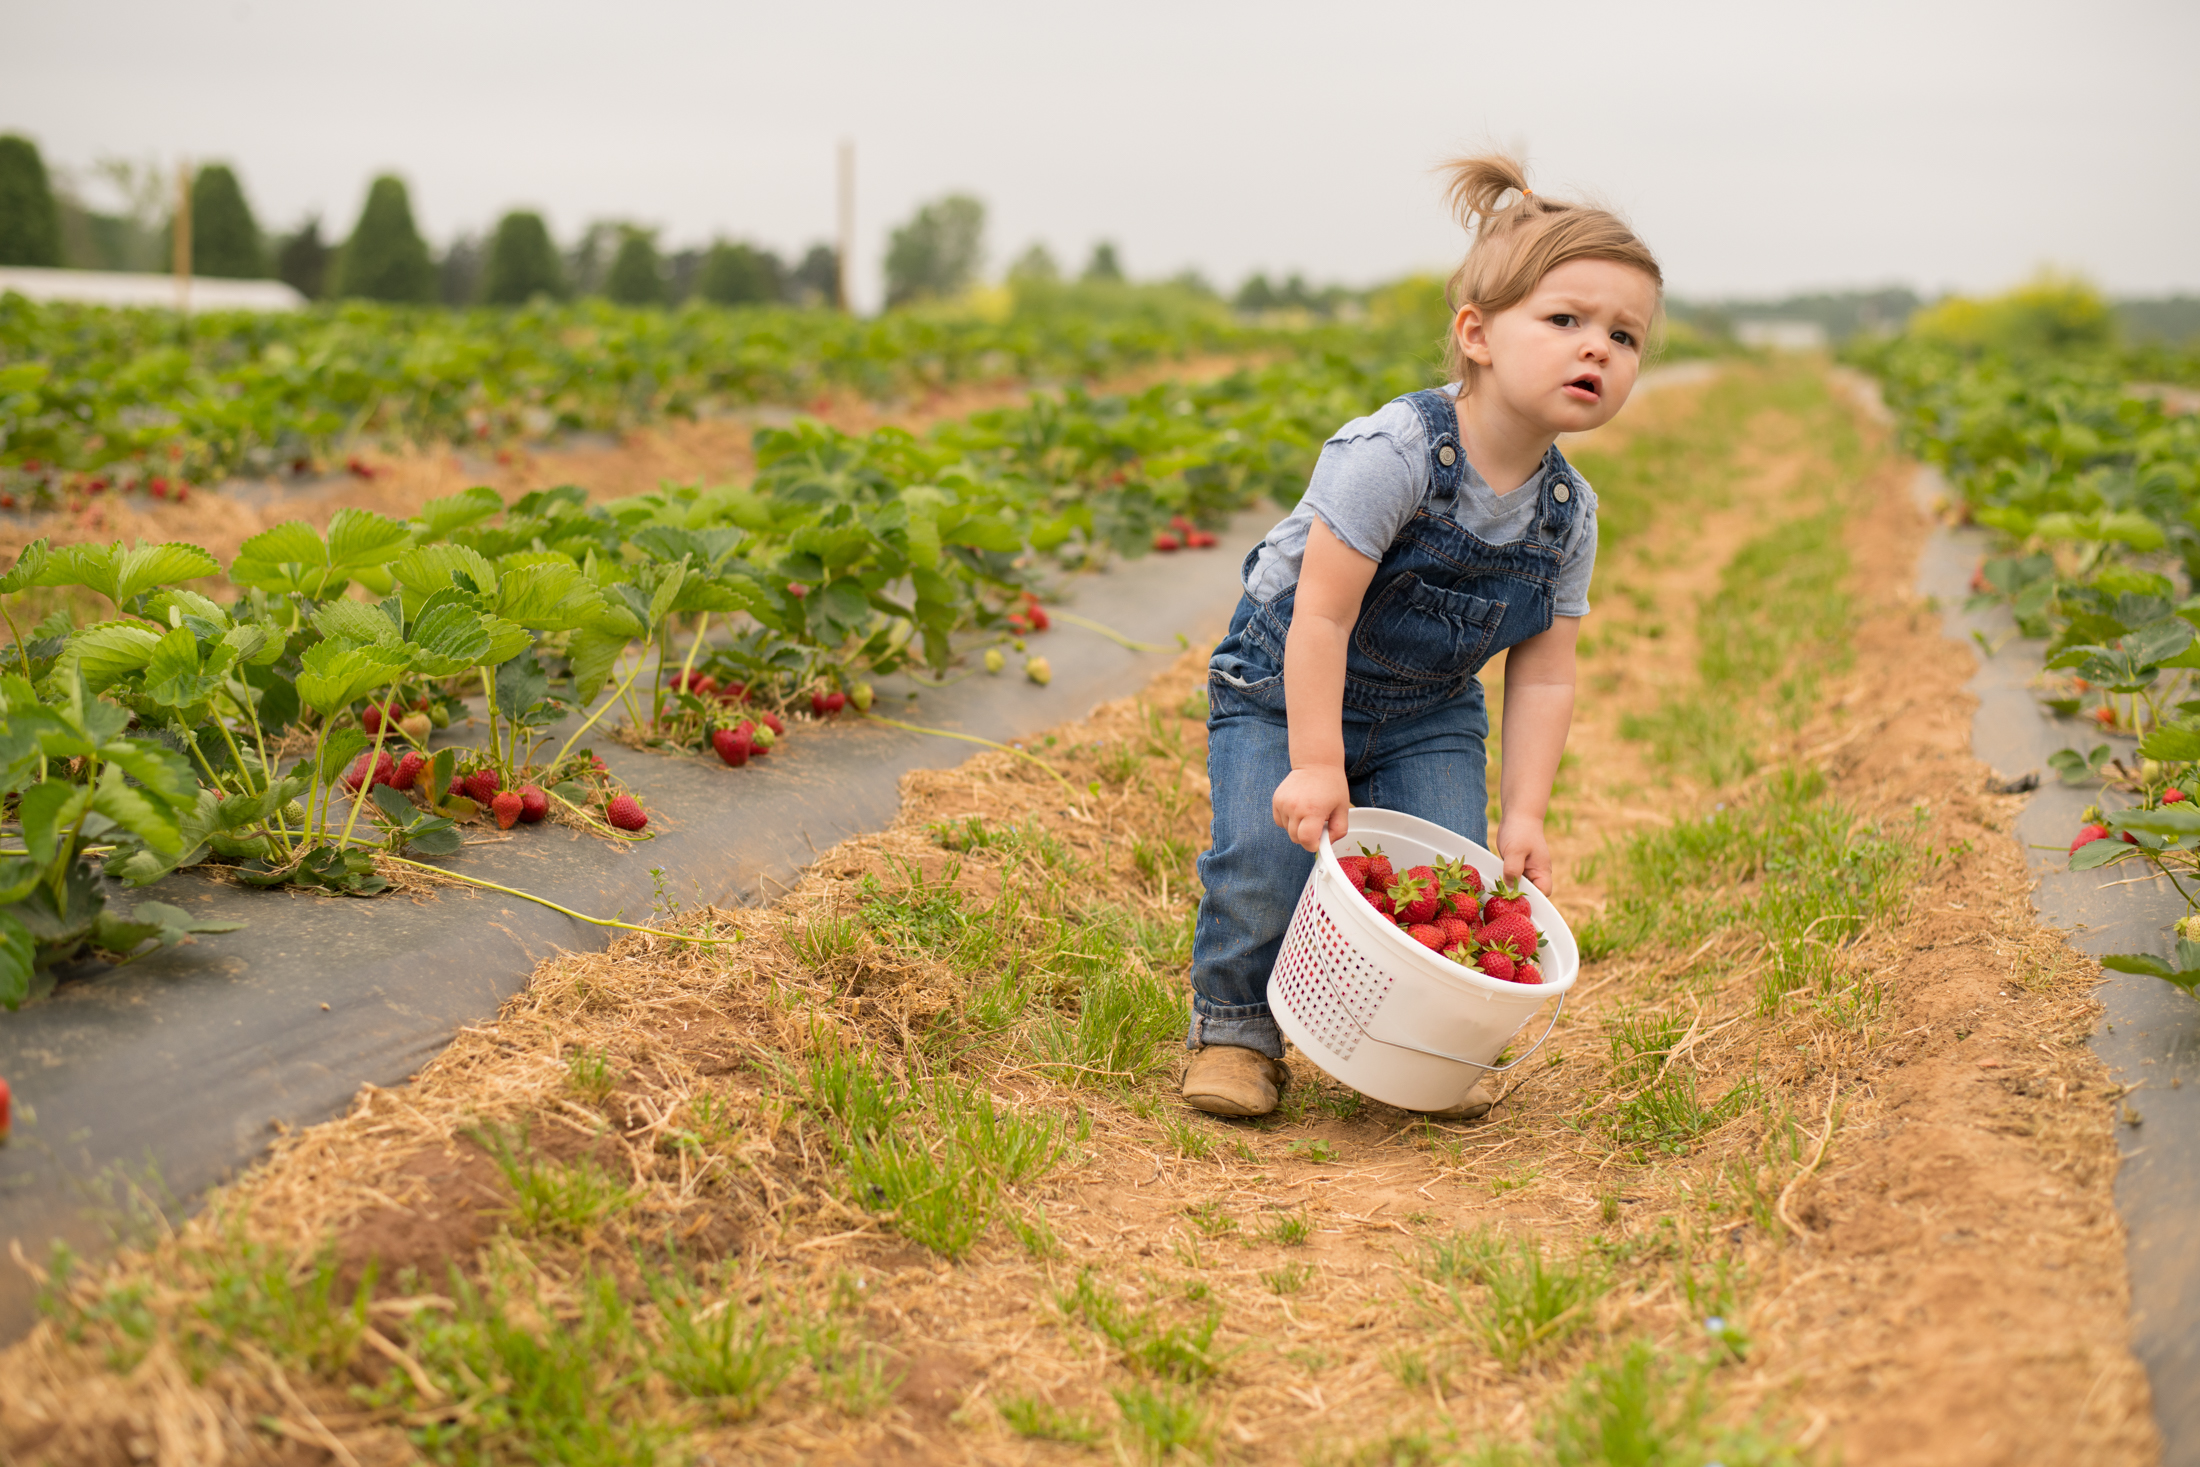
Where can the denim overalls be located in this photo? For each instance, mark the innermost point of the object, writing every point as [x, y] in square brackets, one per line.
[1442, 603]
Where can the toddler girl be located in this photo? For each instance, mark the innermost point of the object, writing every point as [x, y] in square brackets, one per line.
[1438, 532]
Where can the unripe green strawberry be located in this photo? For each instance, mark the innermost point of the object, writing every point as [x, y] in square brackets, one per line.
[861, 695]
[1039, 670]
[994, 660]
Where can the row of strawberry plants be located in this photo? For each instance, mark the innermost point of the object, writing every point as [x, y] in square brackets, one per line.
[275, 714]
[2092, 492]
[106, 399]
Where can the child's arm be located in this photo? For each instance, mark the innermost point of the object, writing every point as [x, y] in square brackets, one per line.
[1333, 579]
[1539, 708]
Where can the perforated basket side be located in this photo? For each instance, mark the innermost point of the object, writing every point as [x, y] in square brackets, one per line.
[1330, 988]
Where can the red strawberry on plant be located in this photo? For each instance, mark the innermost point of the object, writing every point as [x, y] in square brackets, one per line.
[732, 745]
[1428, 934]
[2087, 834]
[533, 804]
[1178, 522]
[1414, 896]
[1165, 541]
[507, 806]
[776, 724]
[385, 770]
[2174, 796]
[408, 771]
[625, 812]
[828, 704]
[735, 692]
[481, 786]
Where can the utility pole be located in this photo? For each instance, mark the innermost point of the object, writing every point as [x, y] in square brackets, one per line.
[847, 219]
[182, 232]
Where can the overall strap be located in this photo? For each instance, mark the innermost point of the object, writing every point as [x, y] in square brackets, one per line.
[1447, 462]
[1560, 495]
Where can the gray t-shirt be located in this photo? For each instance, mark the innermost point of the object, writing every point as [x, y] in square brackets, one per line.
[1372, 478]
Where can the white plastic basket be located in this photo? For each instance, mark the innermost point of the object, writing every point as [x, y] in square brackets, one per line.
[1382, 1013]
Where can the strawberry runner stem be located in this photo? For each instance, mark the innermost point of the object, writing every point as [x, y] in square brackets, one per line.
[974, 739]
[568, 911]
[1109, 632]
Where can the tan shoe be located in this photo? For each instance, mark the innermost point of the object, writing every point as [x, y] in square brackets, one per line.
[1475, 1106]
[1229, 1080]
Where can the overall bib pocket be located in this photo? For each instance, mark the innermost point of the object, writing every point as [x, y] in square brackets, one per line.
[1415, 632]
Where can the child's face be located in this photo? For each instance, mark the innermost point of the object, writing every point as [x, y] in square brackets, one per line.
[1567, 356]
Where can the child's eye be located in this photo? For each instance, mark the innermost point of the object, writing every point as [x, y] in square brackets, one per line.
[1624, 338]
[1563, 319]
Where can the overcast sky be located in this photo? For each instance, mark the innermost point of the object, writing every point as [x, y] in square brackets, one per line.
[1759, 148]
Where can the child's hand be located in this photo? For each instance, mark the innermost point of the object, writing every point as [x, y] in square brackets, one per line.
[1312, 800]
[1526, 852]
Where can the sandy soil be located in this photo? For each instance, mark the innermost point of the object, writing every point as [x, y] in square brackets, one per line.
[1941, 1280]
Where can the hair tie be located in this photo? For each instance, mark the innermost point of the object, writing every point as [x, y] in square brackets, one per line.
[1526, 193]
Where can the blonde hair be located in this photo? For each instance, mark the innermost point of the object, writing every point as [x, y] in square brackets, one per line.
[1515, 245]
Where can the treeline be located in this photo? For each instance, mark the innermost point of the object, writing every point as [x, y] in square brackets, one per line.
[384, 257]
[937, 254]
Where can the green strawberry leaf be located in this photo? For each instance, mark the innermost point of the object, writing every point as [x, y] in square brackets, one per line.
[336, 677]
[24, 573]
[439, 517]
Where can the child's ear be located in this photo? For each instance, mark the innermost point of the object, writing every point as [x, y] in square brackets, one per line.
[1472, 331]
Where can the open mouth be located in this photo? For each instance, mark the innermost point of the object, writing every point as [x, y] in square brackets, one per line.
[1586, 387]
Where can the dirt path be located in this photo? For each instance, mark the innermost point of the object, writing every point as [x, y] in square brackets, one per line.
[1903, 1223]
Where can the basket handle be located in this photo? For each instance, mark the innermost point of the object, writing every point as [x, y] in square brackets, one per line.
[1462, 1059]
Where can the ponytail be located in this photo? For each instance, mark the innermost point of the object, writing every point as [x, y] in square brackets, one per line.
[1514, 245]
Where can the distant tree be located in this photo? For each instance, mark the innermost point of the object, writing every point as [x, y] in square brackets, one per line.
[386, 259]
[1103, 265]
[740, 274]
[816, 281]
[937, 252]
[302, 261]
[522, 262]
[1189, 279]
[459, 273]
[225, 238]
[1256, 295]
[30, 226]
[637, 276]
[1035, 264]
[682, 267]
